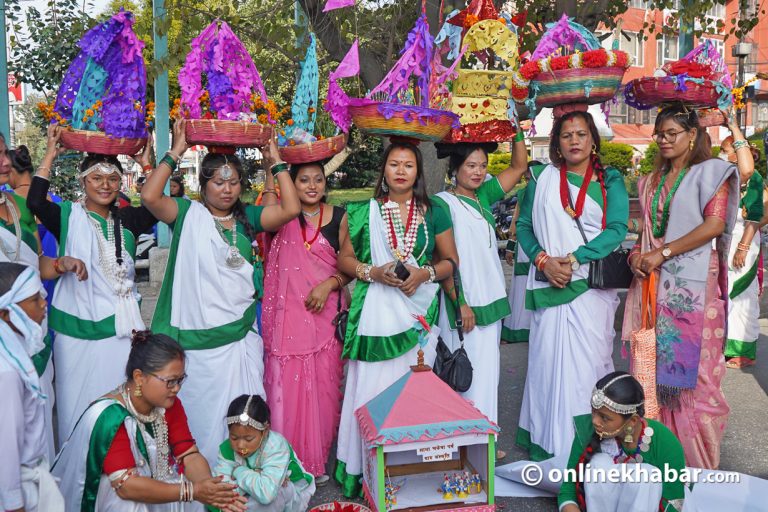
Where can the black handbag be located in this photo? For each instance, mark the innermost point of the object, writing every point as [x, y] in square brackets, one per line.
[454, 368]
[340, 320]
[610, 272]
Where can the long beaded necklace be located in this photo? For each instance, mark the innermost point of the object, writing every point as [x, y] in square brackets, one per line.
[16, 229]
[580, 197]
[308, 243]
[659, 229]
[407, 234]
[234, 259]
[159, 428]
[116, 273]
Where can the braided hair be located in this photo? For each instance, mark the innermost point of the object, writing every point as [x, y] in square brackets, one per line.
[90, 160]
[211, 163]
[624, 391]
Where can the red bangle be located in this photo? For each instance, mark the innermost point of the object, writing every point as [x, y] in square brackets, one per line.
[56, 266]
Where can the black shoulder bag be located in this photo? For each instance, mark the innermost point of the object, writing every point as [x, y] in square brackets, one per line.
[340, 320]
[610, 272]
[454, 368]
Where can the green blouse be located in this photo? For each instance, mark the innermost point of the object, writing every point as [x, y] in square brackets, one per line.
[27, 223]
[615, 217]
[664, 449]
[381, 348]
[487, 194]
[751, 202]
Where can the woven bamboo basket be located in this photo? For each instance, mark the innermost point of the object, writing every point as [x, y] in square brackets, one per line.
[577, 85]
[649, 92]
[100, 142]
[313, 151]
[405, 120]
[219, 132]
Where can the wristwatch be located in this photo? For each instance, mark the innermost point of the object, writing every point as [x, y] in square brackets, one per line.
[666, 252]
[574, 262]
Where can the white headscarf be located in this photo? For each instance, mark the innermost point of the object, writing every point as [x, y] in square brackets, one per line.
[18, 349]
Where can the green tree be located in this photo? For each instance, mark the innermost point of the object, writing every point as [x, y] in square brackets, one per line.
[617, 155]
[648, 163]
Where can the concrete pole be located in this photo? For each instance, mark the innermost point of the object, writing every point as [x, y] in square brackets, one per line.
[162, 138]
[5, 120]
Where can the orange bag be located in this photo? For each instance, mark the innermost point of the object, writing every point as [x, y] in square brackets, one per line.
[643, 348]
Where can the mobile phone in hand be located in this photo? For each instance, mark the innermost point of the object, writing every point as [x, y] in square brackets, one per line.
[401, 271]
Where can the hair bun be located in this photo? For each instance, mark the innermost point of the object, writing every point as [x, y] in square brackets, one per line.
[140, 337]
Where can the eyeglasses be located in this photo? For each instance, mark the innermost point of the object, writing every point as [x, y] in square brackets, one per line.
[171, 383]
[669, 136]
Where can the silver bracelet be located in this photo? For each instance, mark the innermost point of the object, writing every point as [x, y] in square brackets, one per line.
[367, 273]
[432, 274]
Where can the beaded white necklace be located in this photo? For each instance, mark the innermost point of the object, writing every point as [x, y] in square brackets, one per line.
[115, 273]
[16, 229]
[403, 246]
[159, 428]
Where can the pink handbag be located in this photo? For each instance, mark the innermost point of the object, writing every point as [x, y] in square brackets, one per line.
[643, 348]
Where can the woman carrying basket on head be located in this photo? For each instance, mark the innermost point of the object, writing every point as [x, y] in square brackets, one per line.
[207, 301]
[574, 212]
[685, 242]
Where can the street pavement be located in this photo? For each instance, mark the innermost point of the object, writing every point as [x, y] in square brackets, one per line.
[744, 447]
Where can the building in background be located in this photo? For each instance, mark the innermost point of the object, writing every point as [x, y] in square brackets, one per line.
[634, 127]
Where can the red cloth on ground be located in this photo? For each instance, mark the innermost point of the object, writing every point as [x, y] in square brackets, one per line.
[180, 439]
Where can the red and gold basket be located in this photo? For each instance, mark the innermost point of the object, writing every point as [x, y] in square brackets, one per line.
[648, 92]
[219, 132]
[313, 151]
[487, 131]
[399, 120]
[577, 85]
[100, 142]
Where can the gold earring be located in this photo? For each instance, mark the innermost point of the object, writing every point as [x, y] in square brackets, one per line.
[629, 437]
[594, 149]
[559, 154]
[690, 146]
[137, 391]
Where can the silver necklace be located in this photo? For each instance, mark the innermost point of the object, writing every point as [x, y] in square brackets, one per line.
[309, 215]
[115, 273]
[16, 229]
[482, 217]
[234, 259]
[160, 429]
[225, 218]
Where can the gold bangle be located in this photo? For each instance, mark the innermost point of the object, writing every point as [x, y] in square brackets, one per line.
[337, 277]
[268, 191]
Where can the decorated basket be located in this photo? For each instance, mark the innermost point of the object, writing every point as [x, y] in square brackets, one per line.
[393, 119]
[484, 44]
[297, 143]
[409, 102]
[219, 132]
[99, 142]
[230, 108]
[313, 151]
[698, 80]
[712, 117]
[340, 506]
[101, 100]
[648, 92]
[569, 66]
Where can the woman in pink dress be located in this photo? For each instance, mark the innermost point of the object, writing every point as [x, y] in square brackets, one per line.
[689, 208]
[303, 293]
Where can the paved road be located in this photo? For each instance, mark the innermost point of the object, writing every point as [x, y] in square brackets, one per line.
[744, 446]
